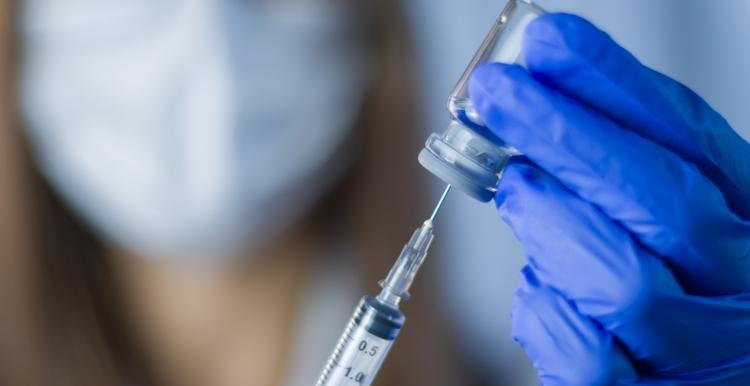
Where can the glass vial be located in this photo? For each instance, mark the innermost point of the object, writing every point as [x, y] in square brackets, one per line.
[467, 155]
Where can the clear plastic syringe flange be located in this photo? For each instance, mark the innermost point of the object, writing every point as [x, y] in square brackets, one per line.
[377, 321]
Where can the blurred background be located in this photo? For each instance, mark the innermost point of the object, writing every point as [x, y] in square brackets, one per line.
[197, 192]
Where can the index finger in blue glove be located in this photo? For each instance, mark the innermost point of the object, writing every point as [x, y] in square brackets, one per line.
[583, 62]
[663, 200]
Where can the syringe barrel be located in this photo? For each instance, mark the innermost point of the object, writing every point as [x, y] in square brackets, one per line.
[377, 321]
[363, 346]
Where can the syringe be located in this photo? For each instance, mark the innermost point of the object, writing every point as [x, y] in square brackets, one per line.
[377, 320]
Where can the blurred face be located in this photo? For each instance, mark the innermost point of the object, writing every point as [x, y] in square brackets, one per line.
[184, 128]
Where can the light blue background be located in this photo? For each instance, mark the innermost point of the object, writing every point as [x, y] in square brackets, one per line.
[703, 43]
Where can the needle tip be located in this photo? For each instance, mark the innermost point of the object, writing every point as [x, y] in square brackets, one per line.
[439, 204]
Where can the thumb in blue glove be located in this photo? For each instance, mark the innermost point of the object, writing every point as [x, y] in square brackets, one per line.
[632, 210]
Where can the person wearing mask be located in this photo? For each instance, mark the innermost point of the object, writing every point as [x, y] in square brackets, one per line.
[198, 192]
[629, 203]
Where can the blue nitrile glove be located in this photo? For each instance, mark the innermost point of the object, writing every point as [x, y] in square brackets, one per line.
[632, 207]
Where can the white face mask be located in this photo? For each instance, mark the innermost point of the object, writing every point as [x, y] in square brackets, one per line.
[189, 127]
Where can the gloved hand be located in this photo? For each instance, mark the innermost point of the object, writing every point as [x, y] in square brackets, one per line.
[632, 206]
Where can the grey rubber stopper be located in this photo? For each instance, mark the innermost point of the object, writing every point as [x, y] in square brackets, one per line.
[448, 173]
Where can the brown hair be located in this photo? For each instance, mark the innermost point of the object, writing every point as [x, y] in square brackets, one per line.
[60, 322]
[60, 318]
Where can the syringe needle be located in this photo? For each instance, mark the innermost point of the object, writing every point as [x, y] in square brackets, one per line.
[396, 284]
[377, 320]
[439, 204]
